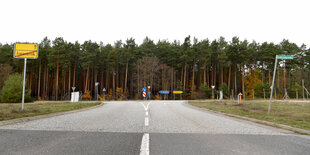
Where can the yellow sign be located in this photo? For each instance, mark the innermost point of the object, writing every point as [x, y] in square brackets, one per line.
[26, 50]
[177, 92]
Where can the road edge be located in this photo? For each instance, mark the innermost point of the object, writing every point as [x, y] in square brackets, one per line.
[272, 124]
[32, 118]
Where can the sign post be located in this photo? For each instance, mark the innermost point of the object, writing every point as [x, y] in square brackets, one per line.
[97, 85]
[212, 91]
[282, 57]
[24, 81]
[149, 92]
[25, 51]
[164, 92]
[177, 92]
[144, 93]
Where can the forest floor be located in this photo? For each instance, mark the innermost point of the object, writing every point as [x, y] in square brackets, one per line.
[295, 113]
[13, 110]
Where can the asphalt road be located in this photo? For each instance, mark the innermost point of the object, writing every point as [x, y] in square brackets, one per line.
[151, 127]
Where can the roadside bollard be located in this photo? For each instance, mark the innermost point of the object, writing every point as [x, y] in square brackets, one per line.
[239, 98]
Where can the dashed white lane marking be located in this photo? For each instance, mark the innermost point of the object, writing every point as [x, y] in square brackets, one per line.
[146, 121]
[144, 150]
[146, 113]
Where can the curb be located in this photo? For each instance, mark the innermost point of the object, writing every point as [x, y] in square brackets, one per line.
[273, 124]
[32, 118]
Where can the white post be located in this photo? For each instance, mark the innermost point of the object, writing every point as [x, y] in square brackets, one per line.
[23, 99]
[274, 76]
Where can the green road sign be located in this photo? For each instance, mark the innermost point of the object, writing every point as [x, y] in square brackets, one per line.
[285, 57]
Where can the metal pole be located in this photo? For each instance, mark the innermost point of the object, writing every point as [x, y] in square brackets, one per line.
[274, 76]
[23, 99]
[97, 92]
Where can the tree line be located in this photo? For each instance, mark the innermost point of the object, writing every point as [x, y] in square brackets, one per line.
[192, 65]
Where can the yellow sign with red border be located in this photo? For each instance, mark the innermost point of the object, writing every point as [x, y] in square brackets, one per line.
[26, 50]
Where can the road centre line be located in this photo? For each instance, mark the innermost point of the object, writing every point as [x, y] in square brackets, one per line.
[144, 150]
[146, 113]
[146, 121]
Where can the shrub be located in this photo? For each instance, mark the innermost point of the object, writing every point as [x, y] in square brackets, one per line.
[225, 90]
[87, 95]
[13, 89]
[206, 90]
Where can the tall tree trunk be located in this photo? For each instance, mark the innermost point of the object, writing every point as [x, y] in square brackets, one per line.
[269, 77]
[74, 73]
[205, 73]
[57, 78]
[113, 81]
[229, 76]
[182, 70]
[193, 81]
[69, 78]
[222, 75]
[44, 82]
[125, 84]
[131, 93]
[215, 68]
[107, 80]
[86, 79]
[117, 76]
[243, 73]
[235, 79]
[263, 74]
[199, 76]
[208, 77]
[138, 72]
[64, 84]
[101, 81]
[92, 82]
[39, 81]
[47, 93]
[184, 85]
[96, 80]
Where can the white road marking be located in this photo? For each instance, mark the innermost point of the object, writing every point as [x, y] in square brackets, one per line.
[146, 121]
[146, 113]
[145, 107]
[144, 150]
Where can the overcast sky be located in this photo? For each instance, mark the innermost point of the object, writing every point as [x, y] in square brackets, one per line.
[108, 21]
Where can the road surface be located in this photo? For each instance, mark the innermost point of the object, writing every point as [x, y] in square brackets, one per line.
[147, 127]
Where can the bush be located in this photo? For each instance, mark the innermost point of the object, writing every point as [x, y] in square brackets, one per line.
[206, 90]
[13, 89]
[292, 91]
[260, 88]
[225, 90]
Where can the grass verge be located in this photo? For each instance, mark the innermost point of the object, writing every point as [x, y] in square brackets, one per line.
[13, 110]
[292, 113]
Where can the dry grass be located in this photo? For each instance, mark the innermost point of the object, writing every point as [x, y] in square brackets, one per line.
[13, 110]
[288, 112]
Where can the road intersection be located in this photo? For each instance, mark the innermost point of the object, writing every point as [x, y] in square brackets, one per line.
[147, 127]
